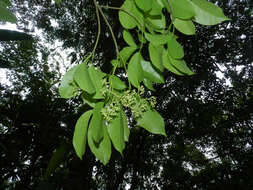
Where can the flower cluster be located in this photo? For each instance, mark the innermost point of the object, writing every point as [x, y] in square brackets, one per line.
[152, 101]
[128, 99]
[139, 108]
[110, 111]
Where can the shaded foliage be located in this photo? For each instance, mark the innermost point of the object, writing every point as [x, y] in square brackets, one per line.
[208, 119]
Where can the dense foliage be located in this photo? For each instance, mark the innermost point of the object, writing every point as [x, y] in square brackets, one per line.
[208, 120]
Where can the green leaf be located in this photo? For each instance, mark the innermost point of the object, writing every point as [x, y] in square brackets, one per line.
[117, 83]
[126, 53]
[126, 129]
[168, 65]
[55, 160]
[97, 123]
[115, 130]
[156, 9]
[175, 49]
[144, 5]
[68, 88]
[150, 73]
[157, 39]
[96, 77]
[155, 54]
[80, 133]
[152, 122]
[148, 84]
[184, 26]
[83, 79]
[88, 99]
[180, 65]
[157, 23]
[182, 9]
[207, 13]
[5, 14]
[103, 151]
[125, 19]
[128, 38]
[134, 71]
[6, 2]
[139, 17]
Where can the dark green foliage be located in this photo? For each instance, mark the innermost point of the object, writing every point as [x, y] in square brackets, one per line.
[203, 114]
[8, 35]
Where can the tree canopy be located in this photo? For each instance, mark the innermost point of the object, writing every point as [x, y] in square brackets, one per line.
[208, 119]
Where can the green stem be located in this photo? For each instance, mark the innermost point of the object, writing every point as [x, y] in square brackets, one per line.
[130, 14]
[113, 38]
[99, 29]
[110, 28]
[137, 20]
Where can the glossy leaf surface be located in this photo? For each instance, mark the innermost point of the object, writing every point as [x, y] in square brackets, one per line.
[126, 53]
[80, 133]
[134, 71]
[182, 9]
[96, 77]
[97, 123]
[148, 84]
[115, 130]
[125, 19]
[168, 65]
[184, 26]
[207, 13]
[180, 65]
[157, 39]
[150, 73]
[175, 49]
[152, 122]
[144, 5]
[83, 79]
[68, 88]
[155, 54]
[103, 150]
[116, 83]
[128, 38]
